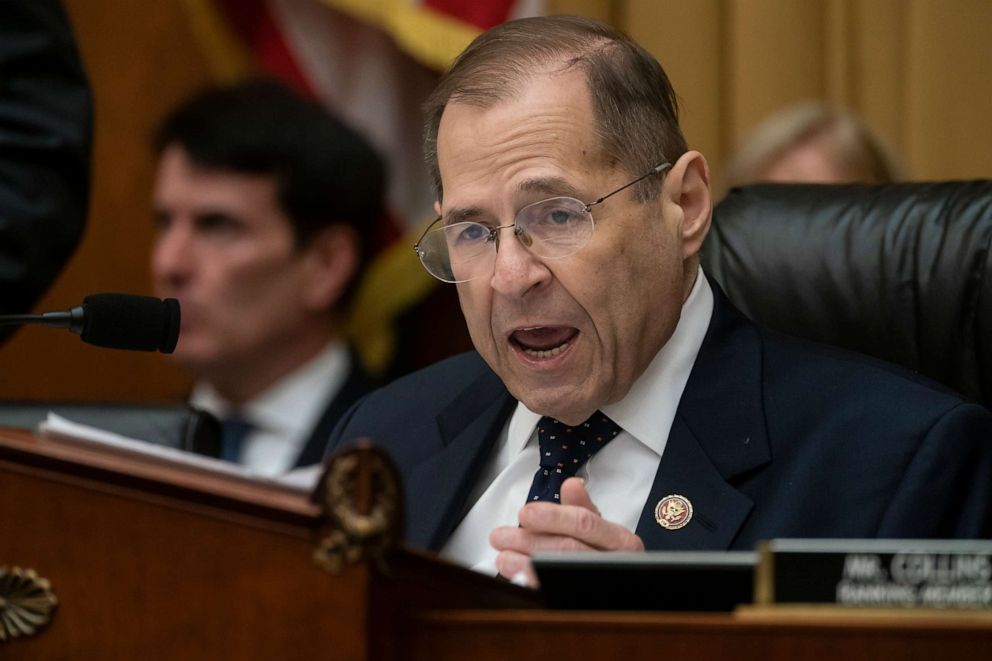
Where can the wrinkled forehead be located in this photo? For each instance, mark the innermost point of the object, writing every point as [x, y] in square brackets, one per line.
[549, 112]
[505, 83]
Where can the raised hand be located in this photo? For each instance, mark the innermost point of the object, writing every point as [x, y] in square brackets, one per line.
[574, 525]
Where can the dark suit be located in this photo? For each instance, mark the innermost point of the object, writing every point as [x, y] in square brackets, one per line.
[773, 437]
[358, 384]
[45, 127]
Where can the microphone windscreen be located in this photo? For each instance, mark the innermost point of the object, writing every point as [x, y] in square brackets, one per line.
[126, 321]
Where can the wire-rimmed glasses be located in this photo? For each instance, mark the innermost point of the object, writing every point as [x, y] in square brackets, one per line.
[551, 229]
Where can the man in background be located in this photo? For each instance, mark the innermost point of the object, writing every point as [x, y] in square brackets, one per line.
[265, 204]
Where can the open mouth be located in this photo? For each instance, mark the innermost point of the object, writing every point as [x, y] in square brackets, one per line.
[543, 342]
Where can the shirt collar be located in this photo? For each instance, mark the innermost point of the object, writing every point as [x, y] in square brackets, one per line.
[648, 410]
[292, 404]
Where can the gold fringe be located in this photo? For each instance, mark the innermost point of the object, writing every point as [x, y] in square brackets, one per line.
[394, 281]
[226, 56]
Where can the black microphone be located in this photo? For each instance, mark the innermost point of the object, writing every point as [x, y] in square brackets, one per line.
[115, 321]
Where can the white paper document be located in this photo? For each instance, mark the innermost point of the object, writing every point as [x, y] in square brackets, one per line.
[58, 429]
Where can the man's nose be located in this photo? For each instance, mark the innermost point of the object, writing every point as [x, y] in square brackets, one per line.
[172, 256]
[517, 269]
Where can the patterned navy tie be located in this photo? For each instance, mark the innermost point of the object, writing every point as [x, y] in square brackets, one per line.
[564, 450]
[233, 433]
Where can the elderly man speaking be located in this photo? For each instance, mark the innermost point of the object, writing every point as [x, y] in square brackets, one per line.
[616, 400]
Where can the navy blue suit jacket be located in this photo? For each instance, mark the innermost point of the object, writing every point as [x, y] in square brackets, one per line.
[358, 384]
[773, 437]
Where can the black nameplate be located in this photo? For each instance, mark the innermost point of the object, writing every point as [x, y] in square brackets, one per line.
[876, 573]
[658, 580]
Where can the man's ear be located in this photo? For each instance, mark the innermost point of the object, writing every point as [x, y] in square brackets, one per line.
[687, 184]
[332, 258]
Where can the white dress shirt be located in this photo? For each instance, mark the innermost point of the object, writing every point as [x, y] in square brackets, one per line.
[283, 417]
[619, 476]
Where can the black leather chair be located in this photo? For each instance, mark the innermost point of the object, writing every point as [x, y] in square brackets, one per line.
[899, 271]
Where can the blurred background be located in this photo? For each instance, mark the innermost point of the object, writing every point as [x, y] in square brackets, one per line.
[915, 71]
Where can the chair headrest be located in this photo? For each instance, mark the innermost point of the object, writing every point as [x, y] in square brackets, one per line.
[898, 271]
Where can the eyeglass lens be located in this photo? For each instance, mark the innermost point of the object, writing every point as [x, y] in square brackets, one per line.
[551, 229]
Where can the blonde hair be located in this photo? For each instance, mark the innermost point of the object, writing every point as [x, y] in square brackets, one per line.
[846, 141]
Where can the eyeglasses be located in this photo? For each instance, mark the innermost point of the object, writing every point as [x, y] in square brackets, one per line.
[551, 229]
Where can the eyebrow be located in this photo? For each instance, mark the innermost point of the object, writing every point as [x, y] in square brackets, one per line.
[551, 186]
[555, 186]
[462, 215]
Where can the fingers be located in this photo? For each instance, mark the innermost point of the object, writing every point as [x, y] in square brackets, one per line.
[583, 526]
[574, 492]
[577, 523]
[517, 568]
[574, 525]
[526, 541]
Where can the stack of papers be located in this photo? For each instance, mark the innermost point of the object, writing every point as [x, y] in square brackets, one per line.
[58, 429]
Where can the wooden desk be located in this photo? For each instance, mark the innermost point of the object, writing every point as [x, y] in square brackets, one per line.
[154, 563]
[526, 636]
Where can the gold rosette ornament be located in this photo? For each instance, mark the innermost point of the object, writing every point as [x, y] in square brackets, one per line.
[26, 602]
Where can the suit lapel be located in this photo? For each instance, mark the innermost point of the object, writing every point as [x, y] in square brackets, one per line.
[358, 384]
[438, 488]
[718, 508]
[718, 433]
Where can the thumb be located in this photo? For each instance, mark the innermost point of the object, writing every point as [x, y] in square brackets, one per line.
[574, 493]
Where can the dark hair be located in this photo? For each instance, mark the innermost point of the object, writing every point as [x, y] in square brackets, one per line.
[635, 106]
[326, 173]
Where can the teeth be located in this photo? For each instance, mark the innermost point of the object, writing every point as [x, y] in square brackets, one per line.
[546, 353]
